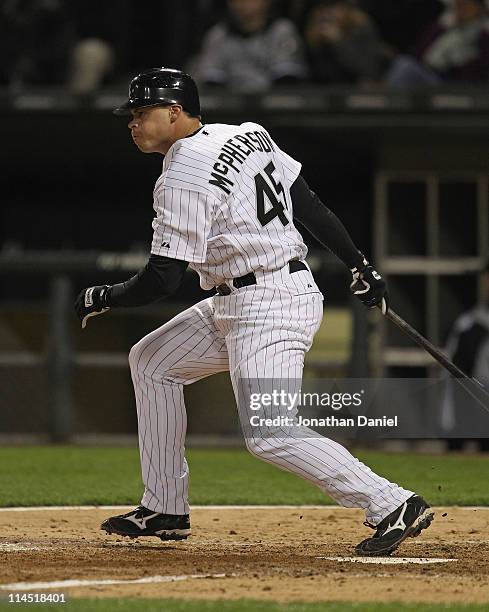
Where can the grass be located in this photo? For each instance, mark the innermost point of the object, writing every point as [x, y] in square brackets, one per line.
[69, 475]
[243, 605]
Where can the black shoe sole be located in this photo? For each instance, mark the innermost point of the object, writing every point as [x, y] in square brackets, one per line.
[165, 536]
[423, 521]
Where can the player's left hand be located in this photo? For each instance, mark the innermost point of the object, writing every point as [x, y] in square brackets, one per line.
[91, 302]
[369, 287]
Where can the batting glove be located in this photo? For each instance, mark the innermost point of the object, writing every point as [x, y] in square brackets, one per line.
[369, 287]
[91, 302]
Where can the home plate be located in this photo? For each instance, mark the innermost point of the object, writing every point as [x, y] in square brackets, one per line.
[389, 560]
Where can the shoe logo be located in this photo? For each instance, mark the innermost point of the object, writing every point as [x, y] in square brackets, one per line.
[399, 524]
[141, 523]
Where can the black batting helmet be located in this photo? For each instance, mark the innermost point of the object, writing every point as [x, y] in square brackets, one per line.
[158, 86]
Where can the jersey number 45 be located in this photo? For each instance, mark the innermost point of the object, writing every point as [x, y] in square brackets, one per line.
[276, 208]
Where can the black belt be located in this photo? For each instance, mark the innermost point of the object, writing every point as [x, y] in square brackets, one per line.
[250, 279]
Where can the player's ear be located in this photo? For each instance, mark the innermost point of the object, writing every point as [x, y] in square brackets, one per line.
[175, 110]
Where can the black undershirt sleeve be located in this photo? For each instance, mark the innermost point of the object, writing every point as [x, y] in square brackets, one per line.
[323, 224]
[159, 278]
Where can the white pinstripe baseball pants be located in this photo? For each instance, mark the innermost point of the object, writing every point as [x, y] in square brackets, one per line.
[260, 331]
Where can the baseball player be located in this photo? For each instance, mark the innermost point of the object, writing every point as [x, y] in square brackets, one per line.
[226, 204]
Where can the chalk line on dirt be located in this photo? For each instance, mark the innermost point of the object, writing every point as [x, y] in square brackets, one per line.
[14, 547]
[65, 584]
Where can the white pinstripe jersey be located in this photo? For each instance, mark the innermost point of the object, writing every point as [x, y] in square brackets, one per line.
[222, 203]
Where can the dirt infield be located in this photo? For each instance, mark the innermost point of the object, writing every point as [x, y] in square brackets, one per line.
[263, 553]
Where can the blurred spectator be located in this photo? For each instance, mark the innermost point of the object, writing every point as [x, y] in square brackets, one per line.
[54, 42]
[92, 60]
[455, 49]
[343, 45]
[100, 40]
[35, 40]
[250, 50]
[468, 347]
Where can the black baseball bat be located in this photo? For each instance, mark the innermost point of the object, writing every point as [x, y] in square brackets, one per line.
[426, 344]
[436, 353]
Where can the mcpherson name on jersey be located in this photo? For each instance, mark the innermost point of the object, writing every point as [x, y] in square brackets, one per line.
[234, 153]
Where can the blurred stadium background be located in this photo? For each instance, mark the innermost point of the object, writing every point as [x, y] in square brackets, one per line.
[403, 164]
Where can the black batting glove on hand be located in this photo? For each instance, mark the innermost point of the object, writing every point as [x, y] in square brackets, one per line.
[91, 302]
[369, 287]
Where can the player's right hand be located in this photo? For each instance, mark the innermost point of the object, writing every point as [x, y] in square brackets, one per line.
[91, 302]
[369, 287]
